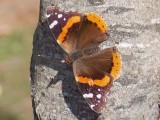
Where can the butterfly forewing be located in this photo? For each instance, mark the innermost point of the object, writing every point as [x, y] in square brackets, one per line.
[64, 27]
[92, 31]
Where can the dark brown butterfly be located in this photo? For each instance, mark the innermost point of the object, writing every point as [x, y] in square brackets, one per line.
[94, 68]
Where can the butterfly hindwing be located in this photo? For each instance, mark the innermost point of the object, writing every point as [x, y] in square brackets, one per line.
[94, 75]
[100, 63]
[95, 95]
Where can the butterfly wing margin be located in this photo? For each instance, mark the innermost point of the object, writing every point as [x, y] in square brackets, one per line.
[93, 31]
[74, 30]
[107, 60]
[64, 27]
[95, 74]
[95, 95]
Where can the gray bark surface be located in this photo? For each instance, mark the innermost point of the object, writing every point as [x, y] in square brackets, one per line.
[135, 24]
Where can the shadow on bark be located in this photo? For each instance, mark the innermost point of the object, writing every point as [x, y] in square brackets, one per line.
[49, 48]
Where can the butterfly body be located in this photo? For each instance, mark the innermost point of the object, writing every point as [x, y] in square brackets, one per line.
[94, 68]
[73, 56]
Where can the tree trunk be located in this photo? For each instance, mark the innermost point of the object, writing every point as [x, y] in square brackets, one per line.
[134, 96]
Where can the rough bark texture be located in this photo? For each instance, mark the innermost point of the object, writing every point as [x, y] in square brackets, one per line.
[135, 24]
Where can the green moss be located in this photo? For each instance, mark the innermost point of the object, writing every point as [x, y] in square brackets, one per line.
[5, 115]
[15, 44]
[15, 54]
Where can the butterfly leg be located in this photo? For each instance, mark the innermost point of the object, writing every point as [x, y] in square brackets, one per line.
[67, 59]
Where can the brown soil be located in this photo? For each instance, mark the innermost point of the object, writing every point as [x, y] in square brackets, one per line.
[17, 13]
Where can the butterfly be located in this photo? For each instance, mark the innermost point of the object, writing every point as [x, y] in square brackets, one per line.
[94, 68]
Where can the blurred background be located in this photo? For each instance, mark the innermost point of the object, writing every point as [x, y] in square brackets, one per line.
[18, 20]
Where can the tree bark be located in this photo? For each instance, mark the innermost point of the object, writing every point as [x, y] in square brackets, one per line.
[134, 96]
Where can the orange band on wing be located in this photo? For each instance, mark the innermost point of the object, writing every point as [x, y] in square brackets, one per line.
[103, 82]
[93, 17]
[69, 24]
[117, 65]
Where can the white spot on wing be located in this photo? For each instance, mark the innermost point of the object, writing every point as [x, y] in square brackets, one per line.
[99, 89]
[107, 94]
[60, 15]
[89, 95]
[99, 96]
[55, 13]
[64, 19]
[55, 22]
[92, 106]
[48, 15]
